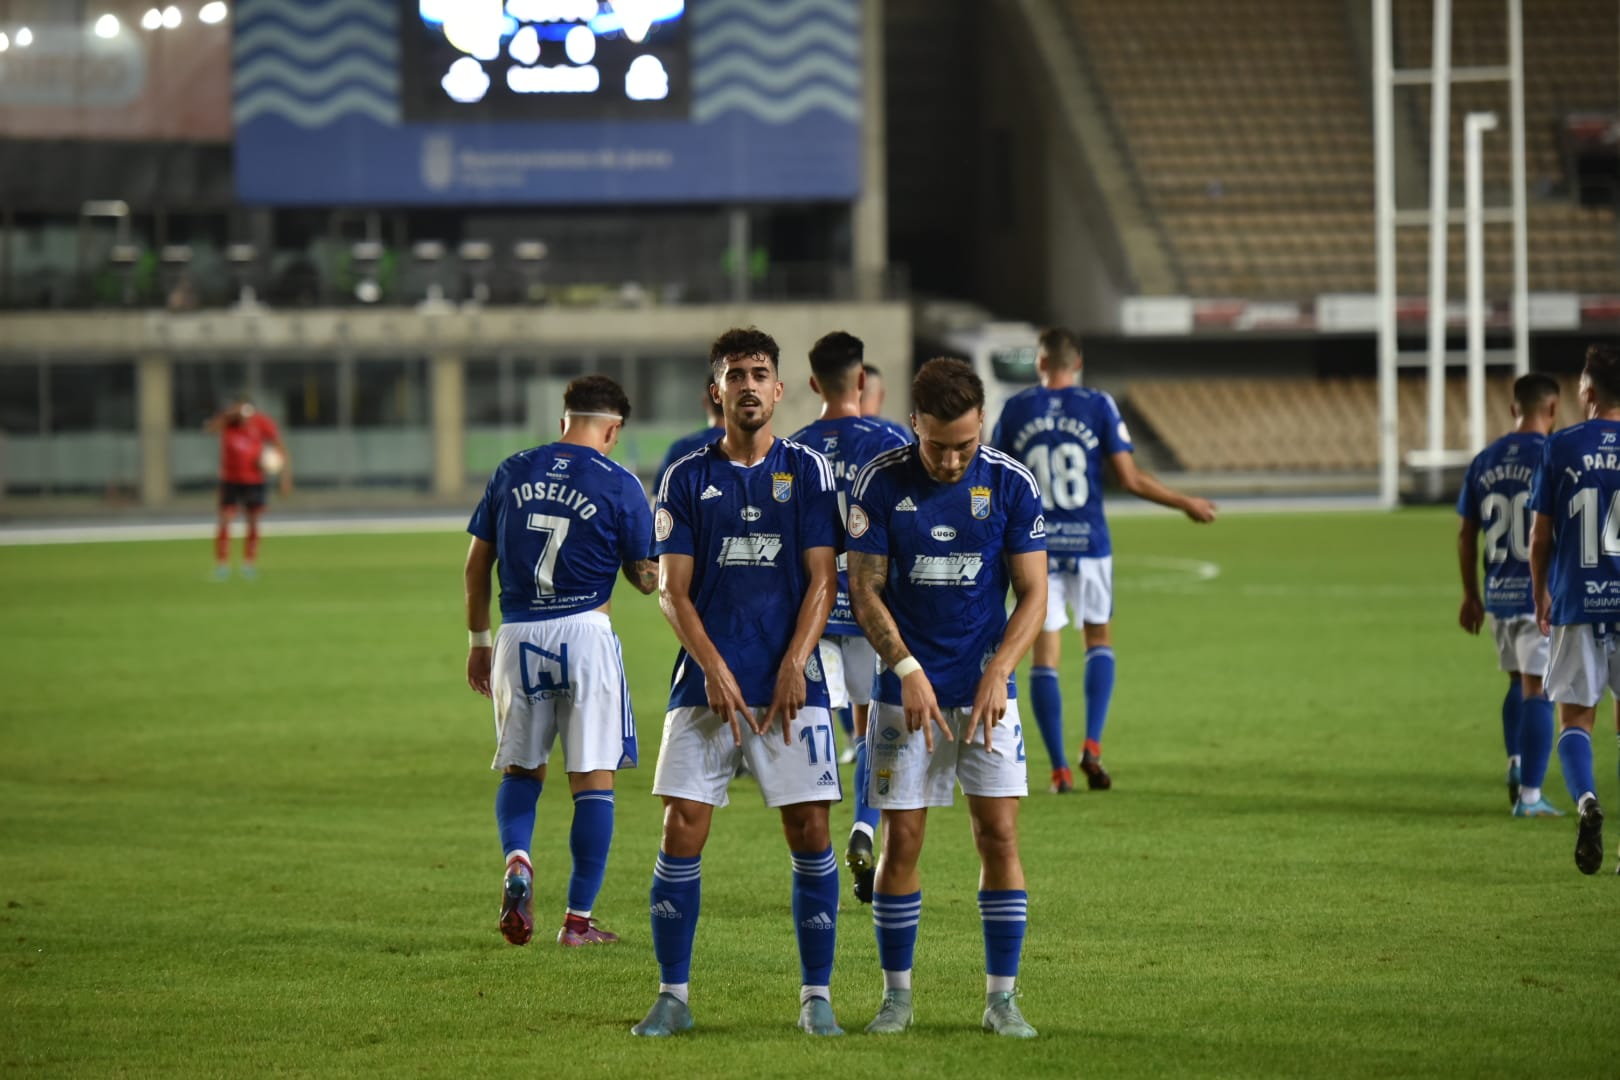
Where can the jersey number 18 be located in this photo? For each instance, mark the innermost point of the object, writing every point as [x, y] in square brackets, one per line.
[1060, 473]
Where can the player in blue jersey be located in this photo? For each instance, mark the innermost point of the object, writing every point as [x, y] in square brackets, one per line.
[560, 521]
[937, 530]
[1575, 575]
[1065, 434]
[746, 532]
[1496, 498]
[848, 441]
[697, 439]
[872, 401]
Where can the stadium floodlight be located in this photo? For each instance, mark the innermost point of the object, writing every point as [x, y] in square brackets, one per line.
[171, 17]
[152, 20]
[107, 27]
[213, 12]
[5, 42]
[24, 38]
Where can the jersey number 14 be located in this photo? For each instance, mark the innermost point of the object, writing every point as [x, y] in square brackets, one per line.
[1584, 505]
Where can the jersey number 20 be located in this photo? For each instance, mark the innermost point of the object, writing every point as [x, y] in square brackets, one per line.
[1060, 472]
[1507, 519]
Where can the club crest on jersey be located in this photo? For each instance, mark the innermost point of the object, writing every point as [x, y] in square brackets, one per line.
[782, 486]
[979, 502]
[858, 523]
[663, 524]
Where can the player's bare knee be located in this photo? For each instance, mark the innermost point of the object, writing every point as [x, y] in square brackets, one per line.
[1048, 651]
[805, 827]
[598, 780]
[1532, 685]
[537, 773]
[1097, 635]
[686, 827]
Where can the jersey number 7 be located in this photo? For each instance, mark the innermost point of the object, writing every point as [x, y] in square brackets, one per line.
[556, 531]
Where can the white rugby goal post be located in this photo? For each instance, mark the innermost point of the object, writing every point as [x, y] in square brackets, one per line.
[1439, 217]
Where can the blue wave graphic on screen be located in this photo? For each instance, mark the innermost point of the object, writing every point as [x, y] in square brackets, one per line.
[777, 61]
[312, 62]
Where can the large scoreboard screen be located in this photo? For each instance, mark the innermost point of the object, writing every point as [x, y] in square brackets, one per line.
[470, 60]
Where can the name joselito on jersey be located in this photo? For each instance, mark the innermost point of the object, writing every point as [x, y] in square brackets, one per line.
[1489, 478]
[570, 499]
[1066, 424]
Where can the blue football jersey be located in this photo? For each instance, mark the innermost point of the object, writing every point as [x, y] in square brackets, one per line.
[1496, 494]
[847, 443]
[902, 430]
[947, 546]
[564, 520]
[1577, 485]
[685, 445]
[747, 529]
[1064, 437]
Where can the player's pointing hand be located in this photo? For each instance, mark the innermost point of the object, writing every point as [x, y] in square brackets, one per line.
[989, 706]
[787, 700]
[726, 699]
[922, 708]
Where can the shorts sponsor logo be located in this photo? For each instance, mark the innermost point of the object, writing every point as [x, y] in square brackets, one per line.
[891, 735]
[979, 502]
[782, 486]
[665, 910]
[710, 492]
[544, 673]
[827, 780]
[750, 550]
[961, 569]
[663, 524]
[884, 781]
[942, 533]
[752, 513]
[858, 523]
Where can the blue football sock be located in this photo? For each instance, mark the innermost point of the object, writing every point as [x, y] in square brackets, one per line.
[677, 894]
[1512, 717]
[1047, 697]
[865, 813]
[515, 801]
[815, 914]
[1575, 755]
[1099, 692]
[1005, 913]
[895, 919]
[588, 841]
[846, 720]
[1535, 740]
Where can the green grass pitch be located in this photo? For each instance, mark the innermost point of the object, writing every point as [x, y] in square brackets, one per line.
[246, 829]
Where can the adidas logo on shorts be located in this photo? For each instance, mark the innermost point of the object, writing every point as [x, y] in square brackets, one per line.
[827, 780]
[710, 492]
[819, 921]
[905, 504]
[665, 910]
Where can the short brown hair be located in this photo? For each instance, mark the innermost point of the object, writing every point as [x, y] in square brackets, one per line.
[1603, 369]
[742, 341]
[1059, 343]
[946, 388]
[596, 394]
[834, 359]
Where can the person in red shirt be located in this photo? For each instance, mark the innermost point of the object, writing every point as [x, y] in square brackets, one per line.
[245, 436]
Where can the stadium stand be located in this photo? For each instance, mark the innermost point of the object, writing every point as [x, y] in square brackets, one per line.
[1248, 127]
[1325, 425]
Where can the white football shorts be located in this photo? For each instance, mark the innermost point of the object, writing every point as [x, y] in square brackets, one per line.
[698, 758]
[1519, 644]
[850, 665]
[905, 776]
[1583, 664]
[561, 677]
[1088, 593]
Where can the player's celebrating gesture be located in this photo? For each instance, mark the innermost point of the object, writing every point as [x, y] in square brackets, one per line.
[937, 530]
[746, 533]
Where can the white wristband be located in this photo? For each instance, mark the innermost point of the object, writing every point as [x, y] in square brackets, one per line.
[906, 667]
[478, 639]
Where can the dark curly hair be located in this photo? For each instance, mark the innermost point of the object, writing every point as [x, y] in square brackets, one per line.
[739, 342]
